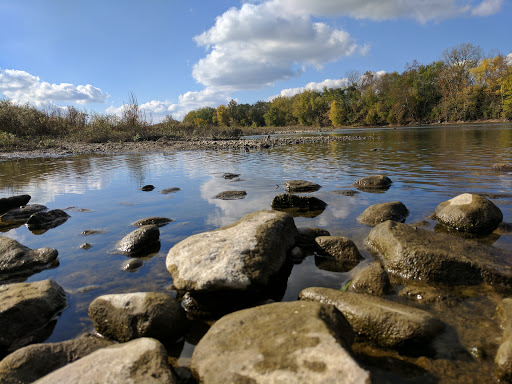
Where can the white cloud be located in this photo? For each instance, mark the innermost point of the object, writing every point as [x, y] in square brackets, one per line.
[329, 83]
[508, 58]
[487, 8]
[22, 87]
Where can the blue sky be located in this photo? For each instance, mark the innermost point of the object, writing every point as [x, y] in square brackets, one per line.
[178, 55]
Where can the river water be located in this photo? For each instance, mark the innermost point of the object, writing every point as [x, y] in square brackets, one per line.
[428, 165]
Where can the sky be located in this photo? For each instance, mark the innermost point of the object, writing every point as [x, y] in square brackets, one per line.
[180, 55]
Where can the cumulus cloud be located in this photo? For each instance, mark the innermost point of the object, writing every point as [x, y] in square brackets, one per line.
[487, 8]
[327, 83]
[22, 87]
[509, 58]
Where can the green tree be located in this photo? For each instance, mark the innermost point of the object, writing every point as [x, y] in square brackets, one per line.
[223, 116]
[338, 113]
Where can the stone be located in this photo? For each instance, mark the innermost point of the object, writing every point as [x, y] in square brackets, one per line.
[26, 365]
[378, 213]
[166, 191]
[147, 188]
[287, 200]
[142, 239]
[301, 186]
[412, 253]
[372, 280]
[292, 342]
[230, 176]
[47, 220]
[21, 214]
[240, 257]
[231, 195]
[308, 235]
[132, 264]
[503, 358]
[26, 309]
[158, 221]
[469, 213]
[383, 322]
[373, 182]
[85, 246]
[339, 248]
[90, 232]
[345, 192]
[7, 203]
[124, 317]
[502, 167]
[19, 260]
[139, 361]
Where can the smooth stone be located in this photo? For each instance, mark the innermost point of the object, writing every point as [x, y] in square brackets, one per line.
[158, 221]
[372, 280]
[22, 214]
[132, 264]
[412, 253]
[32, 362]
[242, 256]
[384, 322]
[85, 246]
[7, 203]
[301, 186]
[124, 317]
[231, 195]
[142, 360]
[166, 191]
[469, 213]
[147, 188]
[378, 213]
[145, 237]
[25, 311]
[307, 236]
[47, 220]
[373, 182]
[292, 342]
[287, 200]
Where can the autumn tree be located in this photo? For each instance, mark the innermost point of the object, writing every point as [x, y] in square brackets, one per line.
[223, 116]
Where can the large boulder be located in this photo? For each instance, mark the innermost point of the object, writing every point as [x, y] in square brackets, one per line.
[21, 215]
[143, 239]
[142, 360]
[242, 256]
[26, 309]
[32, 362]
[46, 220]
[7, 203]
[124, 317]
[375, 182]
[383, 322]
[372, 280]
[378, 213]
[18, 260]
[293, 342]
[469, 213]
[417, 254]
[301, 186]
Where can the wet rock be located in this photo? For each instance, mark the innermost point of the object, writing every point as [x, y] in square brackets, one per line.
[503, 359]
[370, 183]
[504, 229]
[124, 317]
[85, 246]
[345, 192]
[491, 195]
[140, 240]
[242, 256]
[158, 221]
[297, 254]
[378, 213]
[90, 232]
[132, 264]
[420, 224]
[26, 309]
[231, 195]
[413, 253]
[147, 188]
[32, 362]
[372, 280]
[18, 260]
[502, 167]
[469, 213]
[293, 342]
[230, 176]
[308, 235]
[21, 214]
[386, 323]
[12, 202]
[166, 191]
[339, 248]
[139, 361]
[425, 294]
[47, 220]
[287, 200]
[301, 186]
[333, 265]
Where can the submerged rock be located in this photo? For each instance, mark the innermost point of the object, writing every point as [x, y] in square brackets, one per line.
[503, 359]
[383, 322]
[375, 182]
[231, 195]
[293, 342]
[378, 213]
[469, 213]
[230, 176]
[158, 221]
[345, 192]
[287, 200]
[132, 264]
[502, 167]
[26, 310]
[372, 280]
[90, 232]
[145, 238]
[147, 188]
[21, 214]
[240, 257]
[308, 235]
[342, 251]
[85, 246]
[47, 220]
[166, 191]
[301, 186]
[7, 203]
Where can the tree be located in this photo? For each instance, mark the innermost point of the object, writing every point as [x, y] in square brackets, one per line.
[223, 116]
[338, 113]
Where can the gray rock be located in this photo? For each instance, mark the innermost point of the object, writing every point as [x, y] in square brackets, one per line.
[132, 264]
[294, 342]
[21, 214]
[413, 253]
[139, 361]
[378, 213]
[308, 235]
[386, 323]
[7, 203]
[231, 195]
[158, 221]
[242, 256]
[47, 220]
[469, 213]
[339, 248]
[124, 317]
[373, 182]
[287, 200]
[25, 310]
[301, 186]
[143, 238]
[32, 362]
[18, 260]
[170, 190]
[372, 280]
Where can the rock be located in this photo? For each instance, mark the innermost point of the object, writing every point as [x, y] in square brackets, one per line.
[426, 293]
[293, 342]
[142, 239]
[21, 214]
[469, 213]
[297, 254]
[378, 213]
[18, 260]
[46, 220]
[132, 264]
[231, 195]
[502, 167]
[32, 362]
[384, 322]
[239, 257]
[85, 246]
[308, 235]
[230, 176]
[139, 361]
[372, 280]
[158, 221]
[26, 309]
[333, 265]
[503, 359]
[147, 188]
[286, 200]
[170, 190]
[124, 317]
[413, 253]
[345, 192]
[90, 232]
[339, 248]
[12, 202]
[301, 186]
[370, 183]
[504, 229]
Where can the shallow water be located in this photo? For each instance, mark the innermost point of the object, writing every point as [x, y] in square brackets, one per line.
[428, 165]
